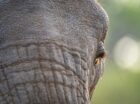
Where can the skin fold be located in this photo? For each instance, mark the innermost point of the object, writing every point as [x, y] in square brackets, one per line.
[51, 51]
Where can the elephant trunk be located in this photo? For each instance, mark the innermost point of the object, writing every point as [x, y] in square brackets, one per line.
[42, 73]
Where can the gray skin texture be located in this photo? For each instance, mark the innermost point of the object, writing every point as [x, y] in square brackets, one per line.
[51, 51]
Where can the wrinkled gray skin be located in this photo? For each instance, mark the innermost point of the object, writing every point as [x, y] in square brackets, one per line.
[50, 50]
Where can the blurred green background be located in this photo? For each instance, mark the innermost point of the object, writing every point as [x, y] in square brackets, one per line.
[120, 83]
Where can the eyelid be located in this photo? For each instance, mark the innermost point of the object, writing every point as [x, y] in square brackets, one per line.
[101, 53]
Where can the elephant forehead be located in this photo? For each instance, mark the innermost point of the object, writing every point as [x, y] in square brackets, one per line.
[50, 20]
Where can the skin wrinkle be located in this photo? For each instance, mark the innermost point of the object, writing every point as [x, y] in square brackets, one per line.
[37, 34]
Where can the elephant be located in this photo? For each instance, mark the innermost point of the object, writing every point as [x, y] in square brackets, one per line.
[51, 51]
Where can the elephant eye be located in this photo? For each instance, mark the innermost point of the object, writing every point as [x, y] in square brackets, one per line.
[100, 54]
[99, 58]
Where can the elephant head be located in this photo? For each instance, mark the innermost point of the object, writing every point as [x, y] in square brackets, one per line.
[51, 51]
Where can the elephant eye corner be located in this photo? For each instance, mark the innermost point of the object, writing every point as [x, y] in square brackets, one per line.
[97, 61]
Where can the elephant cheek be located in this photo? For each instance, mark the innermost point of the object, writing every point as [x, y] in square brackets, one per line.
[42, 73]
[96, 73]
